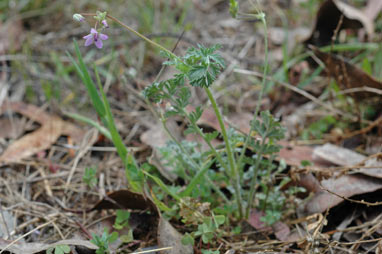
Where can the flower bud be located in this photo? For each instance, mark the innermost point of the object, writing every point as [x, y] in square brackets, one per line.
[104, 23]
[78, 17]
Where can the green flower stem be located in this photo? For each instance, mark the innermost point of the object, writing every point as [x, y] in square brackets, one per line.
[142, 36]
[231, 159]
[246, 143]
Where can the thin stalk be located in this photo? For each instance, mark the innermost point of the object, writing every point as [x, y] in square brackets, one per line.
[231, 159]
[246, 143]
[142, 36]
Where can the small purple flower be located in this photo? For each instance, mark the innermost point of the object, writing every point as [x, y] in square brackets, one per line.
[95, 37]
[104, 23]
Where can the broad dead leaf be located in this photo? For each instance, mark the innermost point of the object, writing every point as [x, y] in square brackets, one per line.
[11, 128]
[344, 186]
[168, 236]
[329, 16]
[52, 127]
[32, 143]
[125, 199]
[345, 157]
[346, 74]
[373, 8]
[254, 220]
[338, 155]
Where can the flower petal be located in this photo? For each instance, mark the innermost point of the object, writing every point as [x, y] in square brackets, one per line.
[88, 36]
[98, 44]
[93, 31]
[89, 41]
[103, 36]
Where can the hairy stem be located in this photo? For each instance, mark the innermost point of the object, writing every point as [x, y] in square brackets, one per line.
[231, 159]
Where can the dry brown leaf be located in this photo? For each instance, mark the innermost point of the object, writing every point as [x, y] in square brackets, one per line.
[344, 186]
[52, 127]
[125, 199]
[34, 142]
[328, 18]
[11, 128]
[345, 157]
[346, 74]
[338, 155]
[373, 8]
[168, 236]
[255, 222]
[353, 13]
[281, 230]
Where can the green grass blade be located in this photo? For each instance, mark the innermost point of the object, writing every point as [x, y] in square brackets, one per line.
[89, 121]
[90, 86]
[196, 179]
[163, 186]
[133, 173]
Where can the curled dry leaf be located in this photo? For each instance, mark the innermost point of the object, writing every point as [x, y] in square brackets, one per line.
[344, 186]
[344, 157]
[328, 18]
[167, 235]
[52, 127]
[373, 8]
[125, 199]
[346, 74]
[369, 179]
[338, 155]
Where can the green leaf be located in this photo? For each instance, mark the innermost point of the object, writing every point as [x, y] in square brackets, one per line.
[187, 239]
[132, 170]
[122, 219]
[211, 135]
[113, 237]
[89, 177]
[233, 8]
[127, 238]
[89, 121]
[366, 66]
[163, 186]
[90, 86]
[61, 249]
[219, 219]
[196, 179]
[378, 64]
